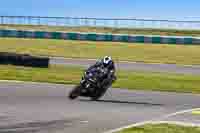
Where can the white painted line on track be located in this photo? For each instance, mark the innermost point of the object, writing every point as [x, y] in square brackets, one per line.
[151, 121]
[29, 82]
[18, 81]
[129, 62]
[72, 58]
[129, 126]
[180, 112]
[177, 123]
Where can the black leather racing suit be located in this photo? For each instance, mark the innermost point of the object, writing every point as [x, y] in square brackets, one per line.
[109, 77]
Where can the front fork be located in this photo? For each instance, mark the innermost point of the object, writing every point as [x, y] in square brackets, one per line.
[88, 88]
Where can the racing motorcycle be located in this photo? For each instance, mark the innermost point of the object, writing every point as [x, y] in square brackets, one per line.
[90, 85]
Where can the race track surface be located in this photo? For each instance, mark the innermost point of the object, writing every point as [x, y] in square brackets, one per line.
[170, 68]
[45, 108]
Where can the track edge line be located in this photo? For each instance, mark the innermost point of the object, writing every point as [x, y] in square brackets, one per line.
[151, 121]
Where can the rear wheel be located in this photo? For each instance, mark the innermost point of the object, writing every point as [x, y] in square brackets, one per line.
[101, 91]
[75, 92]
[98, 94]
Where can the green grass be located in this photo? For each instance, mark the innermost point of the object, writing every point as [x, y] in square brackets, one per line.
[146, 31]
[126, 79]
[196, 112]
[176, 54]
[162, 128]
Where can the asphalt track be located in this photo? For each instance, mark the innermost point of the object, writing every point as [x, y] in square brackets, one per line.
[45, 108]
[169, 68]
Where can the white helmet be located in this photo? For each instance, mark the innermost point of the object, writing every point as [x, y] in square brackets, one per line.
[107, 60]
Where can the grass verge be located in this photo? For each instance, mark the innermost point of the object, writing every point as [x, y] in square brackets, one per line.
[145, 31]
[175, 54]
[126, 79]
[162, 128]
[196, 112]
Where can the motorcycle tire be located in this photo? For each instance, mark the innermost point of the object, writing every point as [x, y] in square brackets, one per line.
[98, 94]
[75, 93]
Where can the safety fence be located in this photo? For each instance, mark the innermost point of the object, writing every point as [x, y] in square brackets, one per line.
[100, 22]
[101, 37]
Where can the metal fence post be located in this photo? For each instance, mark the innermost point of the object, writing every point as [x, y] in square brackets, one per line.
[39, 21]
[56, 20]
[85, 22]
[25, 20]
[116, 23]
[2, 20]
[66, 21]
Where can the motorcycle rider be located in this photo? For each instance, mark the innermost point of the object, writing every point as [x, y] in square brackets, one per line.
[109, 77]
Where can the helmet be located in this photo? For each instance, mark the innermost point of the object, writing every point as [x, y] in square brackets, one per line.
[106, 60]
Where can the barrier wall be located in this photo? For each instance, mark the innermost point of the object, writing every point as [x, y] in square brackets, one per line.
[101, 37]
[23, 60]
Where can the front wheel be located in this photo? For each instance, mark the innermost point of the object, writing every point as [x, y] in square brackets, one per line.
[75, 93]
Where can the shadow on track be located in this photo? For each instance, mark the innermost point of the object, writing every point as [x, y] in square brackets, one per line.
[123, 102]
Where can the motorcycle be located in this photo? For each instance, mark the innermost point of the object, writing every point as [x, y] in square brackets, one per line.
[90, 86]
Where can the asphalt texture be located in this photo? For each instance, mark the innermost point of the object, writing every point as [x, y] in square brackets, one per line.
[187, 118]
[45, 108]
[169, 68]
